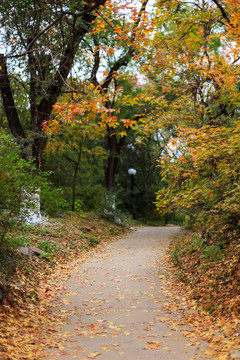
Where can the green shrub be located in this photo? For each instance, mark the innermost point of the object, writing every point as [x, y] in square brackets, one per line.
[49, 246]
[19, 181]
[79, 206]
[213, 252]
[93, 241]
[52, 200]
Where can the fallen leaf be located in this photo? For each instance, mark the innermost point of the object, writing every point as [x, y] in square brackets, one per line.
[93, 355]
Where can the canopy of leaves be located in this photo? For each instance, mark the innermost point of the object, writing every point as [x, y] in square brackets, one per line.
[193, 62]
[204, 179]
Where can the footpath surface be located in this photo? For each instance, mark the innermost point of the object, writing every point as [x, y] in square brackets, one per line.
[116, 305]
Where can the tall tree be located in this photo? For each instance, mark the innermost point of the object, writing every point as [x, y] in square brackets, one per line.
[116, 41]
[41, 39]
[125, 30]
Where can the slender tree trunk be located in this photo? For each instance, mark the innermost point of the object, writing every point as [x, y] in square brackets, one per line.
[74, 189]
[112, 161]
[114, 146]
[39, 143]
[76, 168]
[110, 172]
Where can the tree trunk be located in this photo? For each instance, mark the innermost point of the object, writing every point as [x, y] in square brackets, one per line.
[76, 168]
[39, 143]
[111, 167]
[8, 101]
[74, 189]
[9, 105]
[114, 148]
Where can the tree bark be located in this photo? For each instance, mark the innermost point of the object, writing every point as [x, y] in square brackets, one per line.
[112, 160]
[8, 101]
[114, 146]
[76, 168]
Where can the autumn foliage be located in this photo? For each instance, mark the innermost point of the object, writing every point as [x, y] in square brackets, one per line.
[184, 56]
[203, 180]
[198, 63]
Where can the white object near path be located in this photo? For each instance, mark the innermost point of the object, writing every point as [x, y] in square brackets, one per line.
[30, 212]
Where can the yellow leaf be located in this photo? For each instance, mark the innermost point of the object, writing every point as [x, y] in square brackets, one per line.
[93, 355]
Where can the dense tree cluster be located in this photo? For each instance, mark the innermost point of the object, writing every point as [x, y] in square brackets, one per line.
[114, 85]
[199, 78]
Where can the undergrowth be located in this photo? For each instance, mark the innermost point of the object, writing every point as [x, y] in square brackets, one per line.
[211, 272]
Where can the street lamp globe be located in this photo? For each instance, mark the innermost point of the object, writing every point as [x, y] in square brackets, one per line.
[132, 171]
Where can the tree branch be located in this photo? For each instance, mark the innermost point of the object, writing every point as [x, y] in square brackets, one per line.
[93, 78]
[124, 60]
[224, 13]
[54, 89]
[139, 18]
[88, 10]
[72, 161]
[95, 6]
[8, 101]
[42, 32]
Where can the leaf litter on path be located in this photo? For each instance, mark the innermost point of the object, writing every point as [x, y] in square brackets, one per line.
[85, 295]
[25, 308]
[151, 326]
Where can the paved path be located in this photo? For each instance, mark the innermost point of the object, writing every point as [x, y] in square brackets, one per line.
[116, 305]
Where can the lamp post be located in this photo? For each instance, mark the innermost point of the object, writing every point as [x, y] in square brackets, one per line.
[132, 172]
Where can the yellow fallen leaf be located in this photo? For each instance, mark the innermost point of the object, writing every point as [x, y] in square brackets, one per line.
[105, 347]
[209, 352]
[93, 355]
[114, 327]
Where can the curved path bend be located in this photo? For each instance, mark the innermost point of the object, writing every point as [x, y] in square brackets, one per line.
[117, 307]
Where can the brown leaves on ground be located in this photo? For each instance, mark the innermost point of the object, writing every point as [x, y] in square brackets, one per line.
[153, 345]
[210, 284]
[209, 305]
[34, 284]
